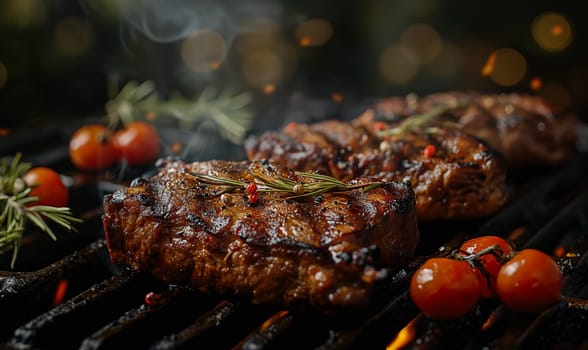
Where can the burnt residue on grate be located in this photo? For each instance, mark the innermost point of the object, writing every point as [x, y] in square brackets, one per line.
[74, 298]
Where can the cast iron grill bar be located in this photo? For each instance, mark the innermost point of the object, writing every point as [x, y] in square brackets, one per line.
[144, 324]
[267, 332]
[82, 313]
[24, 295]
[207, 323]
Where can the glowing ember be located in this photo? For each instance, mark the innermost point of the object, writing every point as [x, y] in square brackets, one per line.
[4, 132]
[305, 41]
[269, 89]
[336, 97]
[151, 116]
[536, 84]
[215, 64]
[552, 31]
[314, 32]
[516, 233]
[489, 66]
[490, 321]
[60, 292]
[273, 319]
[176, 148]
[404, 337]
[556, 30]
[559, 251]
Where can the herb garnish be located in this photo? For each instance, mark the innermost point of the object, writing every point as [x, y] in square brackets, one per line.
[16, 208]
[421, 122]
[280, 184]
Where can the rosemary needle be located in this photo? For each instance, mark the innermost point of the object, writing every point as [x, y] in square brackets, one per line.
[17, 209]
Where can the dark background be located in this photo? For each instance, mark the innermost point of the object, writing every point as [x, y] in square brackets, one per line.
[59, 55]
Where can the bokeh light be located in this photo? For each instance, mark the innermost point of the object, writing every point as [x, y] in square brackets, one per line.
[506, 67]
[262, 68]
[203, 51]
[423, 41]
[314, 32]
[256, 34]
[448, 62]
[3, 75]
[397, 65]
[536, 84]
[552, 31]
[74, 36]
[22, 14]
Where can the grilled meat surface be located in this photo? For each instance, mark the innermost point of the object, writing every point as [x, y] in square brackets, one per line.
[526, 129]
[461, 178]
[327, 250]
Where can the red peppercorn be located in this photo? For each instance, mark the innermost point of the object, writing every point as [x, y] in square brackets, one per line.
[430, 151]
[251, 188]
[152, 299]
[380, 126]
[253, 198]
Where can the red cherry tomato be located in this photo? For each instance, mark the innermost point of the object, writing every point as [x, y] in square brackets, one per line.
[138, 143]
[445, 289]
[489, 261]
[47, 185]
[90, 147]
[530, 282]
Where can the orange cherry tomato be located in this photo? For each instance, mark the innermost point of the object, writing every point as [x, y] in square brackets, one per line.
[489, 261]
[138, 143]
[90, 148]
[47, 185]
[530, 282]
[445, 289]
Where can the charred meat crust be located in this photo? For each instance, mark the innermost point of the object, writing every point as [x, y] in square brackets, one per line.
[327, 252]
[526, 129]
[464, 178]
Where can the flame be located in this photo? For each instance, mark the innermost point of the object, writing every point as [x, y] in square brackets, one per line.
[536, 84]
[337, 97]
[269, 89]
[273, 319]
[60, 292]
[489, 66]
[404, 337]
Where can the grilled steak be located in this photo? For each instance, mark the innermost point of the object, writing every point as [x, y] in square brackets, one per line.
[325, 250]
[457, 177]
[524, 128]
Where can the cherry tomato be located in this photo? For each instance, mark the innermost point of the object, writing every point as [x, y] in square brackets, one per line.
[138, 143]
[90, 147]
[530, 282]
[47, 185]
[489, 261]
[445, 289]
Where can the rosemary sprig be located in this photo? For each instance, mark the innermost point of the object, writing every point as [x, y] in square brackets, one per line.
[420, 122]
[226, 111]
[296, 189]
[16, 209]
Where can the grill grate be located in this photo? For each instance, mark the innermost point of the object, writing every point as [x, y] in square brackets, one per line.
[104, 307]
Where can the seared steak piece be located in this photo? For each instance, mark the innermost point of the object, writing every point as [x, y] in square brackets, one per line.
[526, 129]
[454, 175]
[325, 250]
